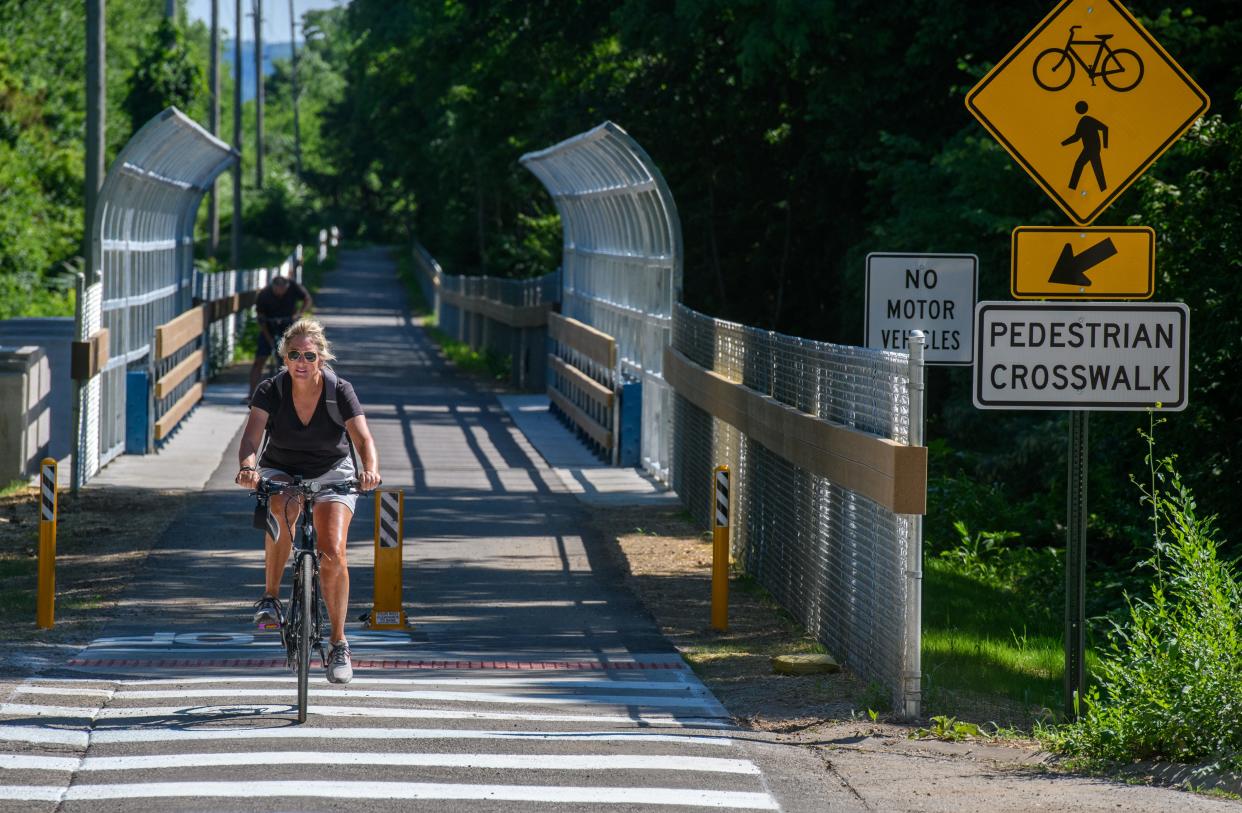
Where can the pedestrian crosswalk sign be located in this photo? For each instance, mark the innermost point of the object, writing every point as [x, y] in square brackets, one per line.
[1085, 103]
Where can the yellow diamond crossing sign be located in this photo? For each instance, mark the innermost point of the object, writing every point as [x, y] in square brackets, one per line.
[1085, 103]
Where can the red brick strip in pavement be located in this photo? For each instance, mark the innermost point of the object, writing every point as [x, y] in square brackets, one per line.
[385, 663]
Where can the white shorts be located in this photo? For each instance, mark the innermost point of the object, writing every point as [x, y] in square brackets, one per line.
[342, 471]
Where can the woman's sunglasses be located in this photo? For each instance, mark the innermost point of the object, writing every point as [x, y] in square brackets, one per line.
[309, 355]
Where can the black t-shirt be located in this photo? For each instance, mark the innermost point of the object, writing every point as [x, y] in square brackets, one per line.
[269, 306]
[308, 450]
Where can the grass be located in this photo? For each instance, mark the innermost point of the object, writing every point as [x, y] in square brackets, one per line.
[487, 364]
[978, 639]
[14, 487]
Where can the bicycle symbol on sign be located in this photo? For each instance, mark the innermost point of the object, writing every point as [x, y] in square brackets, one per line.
[1121, 69]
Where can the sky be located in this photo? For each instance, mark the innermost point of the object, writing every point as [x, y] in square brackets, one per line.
[275, 13]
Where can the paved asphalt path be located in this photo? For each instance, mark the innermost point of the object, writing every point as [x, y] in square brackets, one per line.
[530, 681]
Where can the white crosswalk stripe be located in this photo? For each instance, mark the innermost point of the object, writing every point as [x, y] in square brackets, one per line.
[94, 741]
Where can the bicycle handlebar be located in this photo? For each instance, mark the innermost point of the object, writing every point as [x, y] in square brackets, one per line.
[268, 487]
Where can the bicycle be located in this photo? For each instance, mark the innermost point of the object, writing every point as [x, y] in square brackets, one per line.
[276, 326]
[301, 629]
[1107, 64]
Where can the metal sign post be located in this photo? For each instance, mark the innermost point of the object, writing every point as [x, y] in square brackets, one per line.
[1076, 566]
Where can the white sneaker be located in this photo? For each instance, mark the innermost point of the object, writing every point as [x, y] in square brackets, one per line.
[340, 667]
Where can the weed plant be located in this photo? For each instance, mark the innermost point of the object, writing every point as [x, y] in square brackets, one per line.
[1169, 682]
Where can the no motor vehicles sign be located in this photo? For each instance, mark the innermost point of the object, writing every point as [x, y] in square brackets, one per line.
[934, 293]
[1099, 356]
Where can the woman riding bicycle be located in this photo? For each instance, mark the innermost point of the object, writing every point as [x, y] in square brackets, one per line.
[304, 439]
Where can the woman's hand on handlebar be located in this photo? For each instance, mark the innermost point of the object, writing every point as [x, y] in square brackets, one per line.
[247, 478]
[368, 480]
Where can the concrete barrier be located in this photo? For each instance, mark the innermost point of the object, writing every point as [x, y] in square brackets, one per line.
[25, 411]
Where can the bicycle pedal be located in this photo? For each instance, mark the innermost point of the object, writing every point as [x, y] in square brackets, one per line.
[269, 625]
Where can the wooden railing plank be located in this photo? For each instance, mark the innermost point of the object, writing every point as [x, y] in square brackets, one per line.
[176, 375]
[175, 334]
[177, 411]
[598, 433]
[593, 389]
[892, 474]
[594, 344]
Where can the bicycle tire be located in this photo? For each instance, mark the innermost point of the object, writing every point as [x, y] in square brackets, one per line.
[1135, 71]
[304, 587]
[1053, 86]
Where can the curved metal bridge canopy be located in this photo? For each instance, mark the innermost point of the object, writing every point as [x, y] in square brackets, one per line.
[140, 271]
[622, 262]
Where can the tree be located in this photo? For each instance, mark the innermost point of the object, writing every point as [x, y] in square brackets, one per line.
[167, 75]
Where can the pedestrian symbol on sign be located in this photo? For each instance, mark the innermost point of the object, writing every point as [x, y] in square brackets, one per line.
[1093, 135]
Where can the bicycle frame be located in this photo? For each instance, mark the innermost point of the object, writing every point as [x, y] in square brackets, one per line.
[1102, 50]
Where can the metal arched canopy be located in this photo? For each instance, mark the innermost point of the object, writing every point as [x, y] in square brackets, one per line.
[622, 260]
[141, 265]
[164, 169]
[623, 249]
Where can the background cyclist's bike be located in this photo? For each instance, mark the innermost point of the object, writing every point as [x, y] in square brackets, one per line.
[301, 628]
[1120, 68]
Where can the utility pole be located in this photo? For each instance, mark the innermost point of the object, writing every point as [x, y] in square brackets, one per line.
[96, 111]
[235, 253]
[170, 8]
[213, 211]
[258, 94]
[96, 106]
[297, 131]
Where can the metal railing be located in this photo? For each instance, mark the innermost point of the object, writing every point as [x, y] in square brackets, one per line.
[845, 564]
[622, 262]
[140, 268]
[505, 316]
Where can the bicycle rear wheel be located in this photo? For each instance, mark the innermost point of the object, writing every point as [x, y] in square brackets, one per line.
[304, 586]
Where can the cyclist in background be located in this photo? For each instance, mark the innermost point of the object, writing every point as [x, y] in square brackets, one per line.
[311, 417]
[277, 306]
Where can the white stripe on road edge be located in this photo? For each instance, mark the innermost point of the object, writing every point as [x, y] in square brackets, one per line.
[520, 762]
[76, 691]
[107, 737]
[237, 710]
[687, 797]
[42, 736]
[450, 697]
[37, 763]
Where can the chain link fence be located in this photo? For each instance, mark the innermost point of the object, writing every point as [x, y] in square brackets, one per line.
[848, 568]
[504, 316]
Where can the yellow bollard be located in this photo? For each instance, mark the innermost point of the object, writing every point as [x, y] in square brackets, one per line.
[720, 549]
[45, 611]
[387, 613]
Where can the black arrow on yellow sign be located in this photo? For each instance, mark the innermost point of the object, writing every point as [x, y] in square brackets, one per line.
[1071, 269]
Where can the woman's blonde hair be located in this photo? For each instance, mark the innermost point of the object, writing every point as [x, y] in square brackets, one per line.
[310, 329]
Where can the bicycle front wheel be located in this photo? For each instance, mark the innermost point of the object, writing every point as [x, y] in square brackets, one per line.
[1123, 70]
[304, 587]
[1053, 69]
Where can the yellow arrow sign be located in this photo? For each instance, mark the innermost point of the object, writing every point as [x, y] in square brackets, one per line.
[1085, 103]
[1111, 262]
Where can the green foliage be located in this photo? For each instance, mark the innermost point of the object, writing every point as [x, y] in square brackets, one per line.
[946, 728]
[167, 75]
[1169, 683]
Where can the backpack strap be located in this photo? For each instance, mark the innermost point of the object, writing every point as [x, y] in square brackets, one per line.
[329, 396]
